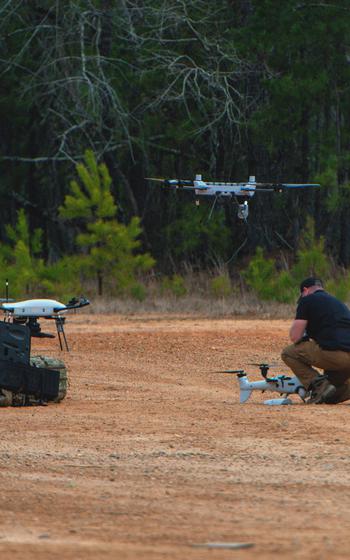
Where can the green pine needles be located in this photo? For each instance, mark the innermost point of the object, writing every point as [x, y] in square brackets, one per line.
[265, 277]
[107, 249]
[20, 260]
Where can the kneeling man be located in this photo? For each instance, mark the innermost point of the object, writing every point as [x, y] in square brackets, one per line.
[320, 334]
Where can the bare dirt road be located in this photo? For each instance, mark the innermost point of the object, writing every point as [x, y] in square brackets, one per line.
[151, 453]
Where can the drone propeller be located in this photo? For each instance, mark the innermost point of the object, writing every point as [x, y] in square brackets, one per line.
[262, 364]
[279, 187]
[234, 371]
[157, 179]
[299, 185]
[264, 369]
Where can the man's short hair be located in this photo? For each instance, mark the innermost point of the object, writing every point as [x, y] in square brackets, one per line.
[311, 281]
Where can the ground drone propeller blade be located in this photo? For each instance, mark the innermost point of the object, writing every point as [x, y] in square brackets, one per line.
[263, 364]
[235, 371]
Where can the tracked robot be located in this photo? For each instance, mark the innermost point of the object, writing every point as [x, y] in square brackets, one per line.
[36, 380]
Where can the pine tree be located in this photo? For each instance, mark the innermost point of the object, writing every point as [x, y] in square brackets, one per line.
[108, 248]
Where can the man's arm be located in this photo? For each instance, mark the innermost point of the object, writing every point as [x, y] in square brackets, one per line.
[297, 330]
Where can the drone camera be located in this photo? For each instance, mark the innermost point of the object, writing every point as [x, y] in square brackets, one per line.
[243, 210]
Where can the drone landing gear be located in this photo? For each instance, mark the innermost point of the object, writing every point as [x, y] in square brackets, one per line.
[212, 208]
[35, 329]
[278, 402]
[60, 332]
[36, 332]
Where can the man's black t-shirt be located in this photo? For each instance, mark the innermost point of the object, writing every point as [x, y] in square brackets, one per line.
[328, 320]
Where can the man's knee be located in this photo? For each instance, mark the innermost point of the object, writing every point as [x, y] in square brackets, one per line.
[288, 353]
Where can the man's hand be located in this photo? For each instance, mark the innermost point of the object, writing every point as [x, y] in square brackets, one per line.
[297, 330]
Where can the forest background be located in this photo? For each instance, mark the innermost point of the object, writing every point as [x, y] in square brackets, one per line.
[96, 95]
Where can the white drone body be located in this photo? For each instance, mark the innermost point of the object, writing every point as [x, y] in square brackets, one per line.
[281, 384]
[34, 308]
[208, 188]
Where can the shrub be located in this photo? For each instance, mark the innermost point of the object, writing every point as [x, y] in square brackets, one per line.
[260, 275]
[339, 287]
[284, 287]
[311, 260]
[174, 284]
[138, 291]
[221, 286]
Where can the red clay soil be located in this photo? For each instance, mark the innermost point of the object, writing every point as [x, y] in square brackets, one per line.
[151, 452]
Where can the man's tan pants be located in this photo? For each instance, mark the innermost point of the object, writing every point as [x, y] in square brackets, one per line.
[301, 358]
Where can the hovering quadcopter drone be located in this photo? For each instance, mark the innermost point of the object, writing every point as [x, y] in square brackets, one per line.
[29, 311]
[282, 384]
[238, 192]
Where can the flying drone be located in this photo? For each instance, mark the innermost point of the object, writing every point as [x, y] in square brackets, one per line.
[240, 193]
[282, 384]
[28, 312]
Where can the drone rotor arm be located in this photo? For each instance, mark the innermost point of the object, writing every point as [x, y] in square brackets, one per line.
[172, 183]
[74, 303]
[178, 183]
[7, 309]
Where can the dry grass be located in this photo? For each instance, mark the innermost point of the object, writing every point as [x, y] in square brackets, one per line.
[199, 298]
[201, 306]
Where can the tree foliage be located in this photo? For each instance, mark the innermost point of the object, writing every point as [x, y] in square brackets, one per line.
[164, 88]
[20, 258]
[271, 283]
[108, 246]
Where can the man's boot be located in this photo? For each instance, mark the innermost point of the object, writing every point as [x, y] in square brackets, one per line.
[320, 389]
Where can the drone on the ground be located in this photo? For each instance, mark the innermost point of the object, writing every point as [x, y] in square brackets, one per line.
[240, 193]
[282, 384]
[28, 312]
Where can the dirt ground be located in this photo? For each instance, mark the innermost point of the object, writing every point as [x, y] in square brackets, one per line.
[151, 453]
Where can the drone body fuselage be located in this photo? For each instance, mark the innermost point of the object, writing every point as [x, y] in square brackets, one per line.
[34, 308]
[223, 189]
[281, 384]
[209, 188]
